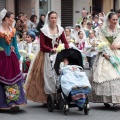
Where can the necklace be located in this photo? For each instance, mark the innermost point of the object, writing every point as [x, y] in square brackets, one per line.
[112, 29]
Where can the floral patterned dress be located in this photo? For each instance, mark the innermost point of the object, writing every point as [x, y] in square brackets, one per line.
[11, 80]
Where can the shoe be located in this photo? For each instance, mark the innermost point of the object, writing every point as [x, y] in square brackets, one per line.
[14, 109]
[116, 107]
[107, 105]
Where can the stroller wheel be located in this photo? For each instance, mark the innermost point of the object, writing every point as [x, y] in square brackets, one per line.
[50, 103]
[60, 103]
[66, 109]
[86, 109]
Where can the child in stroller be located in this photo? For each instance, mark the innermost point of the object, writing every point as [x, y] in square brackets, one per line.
[74, 84]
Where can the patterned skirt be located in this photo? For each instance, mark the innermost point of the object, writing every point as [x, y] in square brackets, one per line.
[35, 82]
[11, 81]
[106, 89]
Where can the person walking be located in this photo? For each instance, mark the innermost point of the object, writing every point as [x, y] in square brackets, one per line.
[106, 69]
[40, 81]
[11, 80]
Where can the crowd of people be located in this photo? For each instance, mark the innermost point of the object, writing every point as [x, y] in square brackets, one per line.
[24, 55]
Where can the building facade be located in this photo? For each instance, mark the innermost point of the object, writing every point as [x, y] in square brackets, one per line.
[70, 14]
[68, 10]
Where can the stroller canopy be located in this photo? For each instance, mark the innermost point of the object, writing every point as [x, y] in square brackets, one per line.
[74, 57]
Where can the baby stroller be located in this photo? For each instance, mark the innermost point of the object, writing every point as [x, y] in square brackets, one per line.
[60, 100]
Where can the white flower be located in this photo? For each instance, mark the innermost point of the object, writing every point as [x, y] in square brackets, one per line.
[23, 53]
[31, 56]
[60, 47]
[101, 45]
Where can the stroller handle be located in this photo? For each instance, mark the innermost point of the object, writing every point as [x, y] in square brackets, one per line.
[80, 67]
[51, 53]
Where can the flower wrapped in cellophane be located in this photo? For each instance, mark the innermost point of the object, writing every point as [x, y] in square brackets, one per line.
[23, 53]
[72, 40]
[60, 47]
[101, 45]
[104, 48]
[26, 60]
[31, 56]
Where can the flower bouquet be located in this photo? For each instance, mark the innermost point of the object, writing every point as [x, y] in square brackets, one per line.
[26, 60]
[102, 47]
[60, 47]
[31, 56]
[23, 53]
[72, 40]
[115, 61]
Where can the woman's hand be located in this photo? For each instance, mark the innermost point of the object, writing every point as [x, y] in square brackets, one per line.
[19, 61]
[12, 48]
[54, 50]
[114, 47]
[107, 56]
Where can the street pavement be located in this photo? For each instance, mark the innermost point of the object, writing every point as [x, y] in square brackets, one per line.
[35, 111]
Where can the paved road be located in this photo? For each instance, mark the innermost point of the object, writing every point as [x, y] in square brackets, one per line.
[35, 111]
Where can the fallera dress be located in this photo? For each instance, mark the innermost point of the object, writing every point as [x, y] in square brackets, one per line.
[11, 79]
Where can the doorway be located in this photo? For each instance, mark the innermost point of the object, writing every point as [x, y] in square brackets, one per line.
[97, 6]
[16, 7]
[67, 13]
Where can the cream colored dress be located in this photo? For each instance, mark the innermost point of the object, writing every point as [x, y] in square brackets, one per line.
[105, 79]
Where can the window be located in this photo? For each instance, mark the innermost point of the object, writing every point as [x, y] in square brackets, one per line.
[2, 4]
[44, 6]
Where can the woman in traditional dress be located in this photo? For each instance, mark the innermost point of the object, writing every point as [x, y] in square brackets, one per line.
[40, 80]
[105, 74]
[11, 80]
